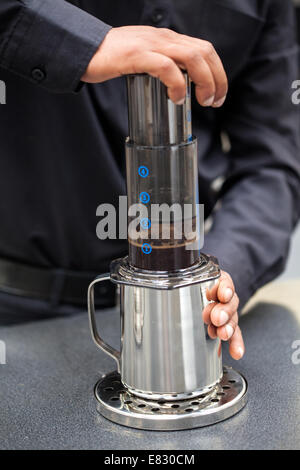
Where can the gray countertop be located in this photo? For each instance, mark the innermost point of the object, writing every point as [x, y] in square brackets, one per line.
[46, 388]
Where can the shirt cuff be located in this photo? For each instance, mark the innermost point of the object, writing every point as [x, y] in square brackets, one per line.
[52, 44]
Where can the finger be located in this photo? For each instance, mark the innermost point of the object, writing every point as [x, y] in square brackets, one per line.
[223, 290]
[213, 60]
[199, 71]
[206, 314]
[221, 314]
[205, 89]
[164, 68]
[212, 331]
[236, 345]
[212, 87]
[226, 332]
[226, 289]
[212, 294]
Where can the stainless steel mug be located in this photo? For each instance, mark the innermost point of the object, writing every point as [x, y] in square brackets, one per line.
[165, 350]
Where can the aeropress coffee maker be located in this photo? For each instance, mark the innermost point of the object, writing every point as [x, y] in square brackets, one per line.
[169, 371]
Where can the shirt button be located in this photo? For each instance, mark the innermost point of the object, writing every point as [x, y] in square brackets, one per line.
[157, 16]
[38, 74]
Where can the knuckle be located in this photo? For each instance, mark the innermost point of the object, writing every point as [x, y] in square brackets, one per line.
[211, 308]
[208, 49]
[226, 275]
[130, 53]
[145, 30]
[166, 65]
[214, 315]
[237, 300]
[229, 282]
[194, 55]
[167, 33]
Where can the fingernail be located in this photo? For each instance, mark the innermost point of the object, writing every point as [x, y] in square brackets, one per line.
[228, 294]
[180, 102]
[209, 101]
[223, 317]
[219, 103]
[240, 351]
[229, 331]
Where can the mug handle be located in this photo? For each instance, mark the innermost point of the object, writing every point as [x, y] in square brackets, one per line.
[93, 325]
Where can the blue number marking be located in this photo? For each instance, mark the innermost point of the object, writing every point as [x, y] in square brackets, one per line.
[146, 248]
[145, 223]
[144, 197]
[143, 171]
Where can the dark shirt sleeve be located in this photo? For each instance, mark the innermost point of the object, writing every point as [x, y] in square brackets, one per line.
[49, 42]
[261, 196]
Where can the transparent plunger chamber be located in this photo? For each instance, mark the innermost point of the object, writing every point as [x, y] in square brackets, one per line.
[162, 180]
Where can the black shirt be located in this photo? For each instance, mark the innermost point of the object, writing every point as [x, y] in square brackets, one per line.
[62, 153]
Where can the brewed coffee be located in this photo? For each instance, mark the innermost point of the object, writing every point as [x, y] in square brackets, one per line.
[165, 247]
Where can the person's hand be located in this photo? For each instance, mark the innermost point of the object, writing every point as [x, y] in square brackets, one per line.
[221, 315]
[161, 53]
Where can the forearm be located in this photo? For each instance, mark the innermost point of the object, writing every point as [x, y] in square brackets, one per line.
[252, 229]
[49, 42]
[261, 195]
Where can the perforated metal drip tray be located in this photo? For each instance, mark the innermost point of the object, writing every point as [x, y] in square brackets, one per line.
[118, 405]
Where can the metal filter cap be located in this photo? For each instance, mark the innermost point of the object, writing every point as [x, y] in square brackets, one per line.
[121, 272]
[223, 401]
